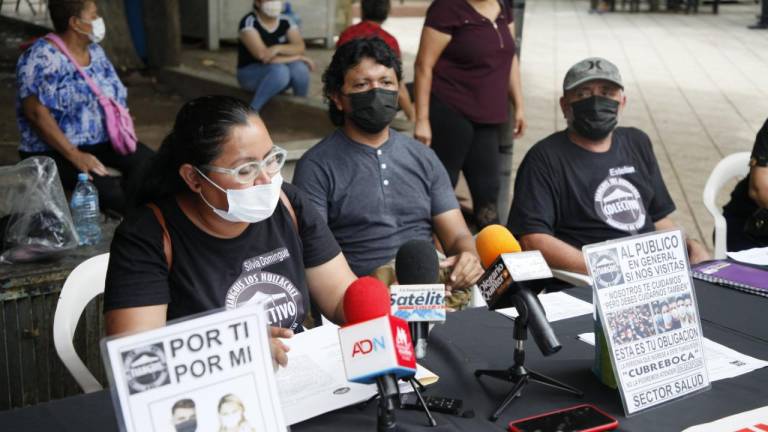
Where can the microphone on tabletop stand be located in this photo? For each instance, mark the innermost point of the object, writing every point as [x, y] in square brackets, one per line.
[416, 266]
[501, 289]
[376, 348]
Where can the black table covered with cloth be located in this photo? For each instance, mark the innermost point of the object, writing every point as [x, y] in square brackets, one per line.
[475, 339]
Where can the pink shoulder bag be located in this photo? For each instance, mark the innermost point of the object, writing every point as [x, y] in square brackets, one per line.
[118, 119]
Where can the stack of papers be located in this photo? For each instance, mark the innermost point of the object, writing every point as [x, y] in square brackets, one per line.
[314, 382]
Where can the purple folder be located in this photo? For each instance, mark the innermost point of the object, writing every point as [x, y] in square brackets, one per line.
[733, 275]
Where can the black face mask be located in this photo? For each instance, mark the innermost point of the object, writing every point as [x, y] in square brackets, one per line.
[373, 110]
[595, 117]
[187, 426]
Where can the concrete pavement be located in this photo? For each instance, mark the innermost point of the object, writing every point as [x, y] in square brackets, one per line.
[697, 84]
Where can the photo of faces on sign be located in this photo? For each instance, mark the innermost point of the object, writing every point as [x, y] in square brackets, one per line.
[231, 415]
[217, 409]
[673, 313]
[631, 324]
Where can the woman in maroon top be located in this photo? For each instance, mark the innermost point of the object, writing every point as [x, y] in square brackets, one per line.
[466, 72]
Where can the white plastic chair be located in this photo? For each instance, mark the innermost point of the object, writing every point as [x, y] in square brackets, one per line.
[84, 283]
[734, 165]
[573, 278]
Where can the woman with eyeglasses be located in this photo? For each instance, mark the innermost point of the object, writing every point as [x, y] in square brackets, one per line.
[234, 229]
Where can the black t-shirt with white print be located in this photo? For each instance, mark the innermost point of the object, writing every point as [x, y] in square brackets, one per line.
[274, 36]
[583, 197]
[209, 273]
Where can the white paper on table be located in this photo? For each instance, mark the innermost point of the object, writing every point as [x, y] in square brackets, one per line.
[557, 305]
[746, 421]
[722, 362]
[756, 256]
[586, 337]
[314, 382]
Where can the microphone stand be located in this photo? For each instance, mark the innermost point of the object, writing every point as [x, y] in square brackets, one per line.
[385, 412]
[419, 332]
[419, 341]
[518, 373]
[418, 388]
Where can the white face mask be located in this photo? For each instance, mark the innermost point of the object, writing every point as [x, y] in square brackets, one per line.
[230, 421]
[98, 30]
[667, 319]
[252, 204]
[272, 8]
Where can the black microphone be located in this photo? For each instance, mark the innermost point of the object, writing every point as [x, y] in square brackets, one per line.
[416, 264]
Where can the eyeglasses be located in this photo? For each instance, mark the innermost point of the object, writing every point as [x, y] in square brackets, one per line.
[249, 171]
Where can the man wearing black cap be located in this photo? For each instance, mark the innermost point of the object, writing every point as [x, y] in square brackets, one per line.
[593, 181]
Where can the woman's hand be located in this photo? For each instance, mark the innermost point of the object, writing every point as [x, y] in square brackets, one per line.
[278, 348]
[520, 124]
[274, 51]
[88, 163]
[308, 61]
[422, 131]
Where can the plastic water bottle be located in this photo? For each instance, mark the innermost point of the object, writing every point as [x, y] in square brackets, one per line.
[85, 211]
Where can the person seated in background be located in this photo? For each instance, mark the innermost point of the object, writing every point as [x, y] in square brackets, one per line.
[746, 214]
[376, 187]
[374, 13]
[233, 227]
[270, 56]
[593, 181]
[58, 114]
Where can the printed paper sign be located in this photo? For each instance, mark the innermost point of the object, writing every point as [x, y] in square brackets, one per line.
[648, 309]
[418, 302]
[525, 266]
[212, 372]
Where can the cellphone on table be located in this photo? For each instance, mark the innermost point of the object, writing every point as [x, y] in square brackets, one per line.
[434, 403]
[579, 418]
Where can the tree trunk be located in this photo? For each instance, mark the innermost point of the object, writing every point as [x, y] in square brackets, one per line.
[162, 24]
[118, 44]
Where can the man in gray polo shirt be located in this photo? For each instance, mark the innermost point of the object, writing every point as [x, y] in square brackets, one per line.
[376, 187]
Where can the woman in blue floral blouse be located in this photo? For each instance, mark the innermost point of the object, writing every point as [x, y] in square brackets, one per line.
[60, 116]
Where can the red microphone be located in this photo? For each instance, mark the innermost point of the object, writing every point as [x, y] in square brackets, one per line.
[374, 343]
[375, 346]
[365, 299]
